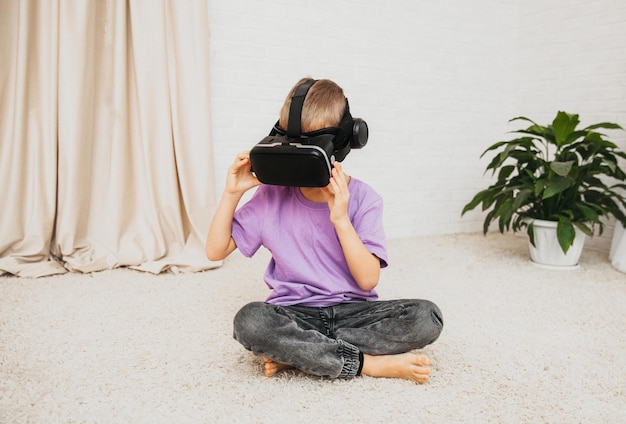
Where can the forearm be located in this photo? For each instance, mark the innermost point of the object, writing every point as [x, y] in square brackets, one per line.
[364, 266]
[219, 242]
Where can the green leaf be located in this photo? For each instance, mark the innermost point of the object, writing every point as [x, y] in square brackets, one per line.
[622, 186]
[531, 233]
[493, 147]
[535, 130]
[565, 234]
[589, 213]
[505, 171]
[488, 219]
[563, 125]
[474, 202]
[585, 229]
[494, 164]
[505, 212]
[562, 168]
[522, 118]
[521, 198]
[575, 135]
[543, 134]
[540, 185]
[607, 125]
[556, 185]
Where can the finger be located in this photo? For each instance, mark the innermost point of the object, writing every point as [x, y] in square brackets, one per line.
[238, 165]
[242, 157]
[336, 188]
[340, 172]
[336, 171]
[340, 180]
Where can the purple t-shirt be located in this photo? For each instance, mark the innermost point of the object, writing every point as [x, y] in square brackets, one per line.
[308, 266]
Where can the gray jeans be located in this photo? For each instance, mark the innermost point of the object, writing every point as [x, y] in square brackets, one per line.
[330, 341]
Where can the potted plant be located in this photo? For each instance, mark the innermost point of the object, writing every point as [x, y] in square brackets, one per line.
[555, 173]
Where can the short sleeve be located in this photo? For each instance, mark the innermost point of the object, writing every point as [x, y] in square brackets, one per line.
[368, 223]
[248, 224]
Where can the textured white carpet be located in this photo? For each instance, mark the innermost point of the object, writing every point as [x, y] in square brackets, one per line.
[520, 344]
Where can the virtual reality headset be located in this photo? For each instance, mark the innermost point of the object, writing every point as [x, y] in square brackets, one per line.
[293, 158]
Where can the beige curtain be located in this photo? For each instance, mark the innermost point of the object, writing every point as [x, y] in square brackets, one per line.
[105, 153]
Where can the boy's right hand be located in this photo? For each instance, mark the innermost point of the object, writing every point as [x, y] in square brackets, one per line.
[240, 177]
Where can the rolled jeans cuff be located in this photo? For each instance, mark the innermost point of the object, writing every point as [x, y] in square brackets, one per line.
[352, 360]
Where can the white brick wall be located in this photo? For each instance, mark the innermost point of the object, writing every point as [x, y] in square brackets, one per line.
[437, 83]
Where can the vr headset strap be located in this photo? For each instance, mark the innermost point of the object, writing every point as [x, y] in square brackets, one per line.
[295, 110]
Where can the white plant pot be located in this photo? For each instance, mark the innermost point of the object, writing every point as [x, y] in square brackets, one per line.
[548, 252]
[617, 255]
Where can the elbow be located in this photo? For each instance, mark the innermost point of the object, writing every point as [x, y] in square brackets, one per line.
[369, 282]
[367, 276]
[213, 254]
[213, 258]
[217, 251]
[368, 285]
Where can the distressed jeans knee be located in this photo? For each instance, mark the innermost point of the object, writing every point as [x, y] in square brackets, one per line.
[249, 323]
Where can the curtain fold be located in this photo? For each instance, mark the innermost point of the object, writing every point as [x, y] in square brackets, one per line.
[105, 136]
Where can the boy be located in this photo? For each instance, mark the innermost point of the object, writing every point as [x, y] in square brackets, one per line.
[328, 246]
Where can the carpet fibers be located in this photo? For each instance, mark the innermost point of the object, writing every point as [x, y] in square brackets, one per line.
[520, 344]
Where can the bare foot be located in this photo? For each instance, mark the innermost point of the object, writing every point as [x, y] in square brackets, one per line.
[409, 366]
[272, 367]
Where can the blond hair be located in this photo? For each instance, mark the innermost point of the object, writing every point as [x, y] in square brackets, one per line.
[323, 107]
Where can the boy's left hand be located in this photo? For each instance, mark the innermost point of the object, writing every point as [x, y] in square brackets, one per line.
[338, 195]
